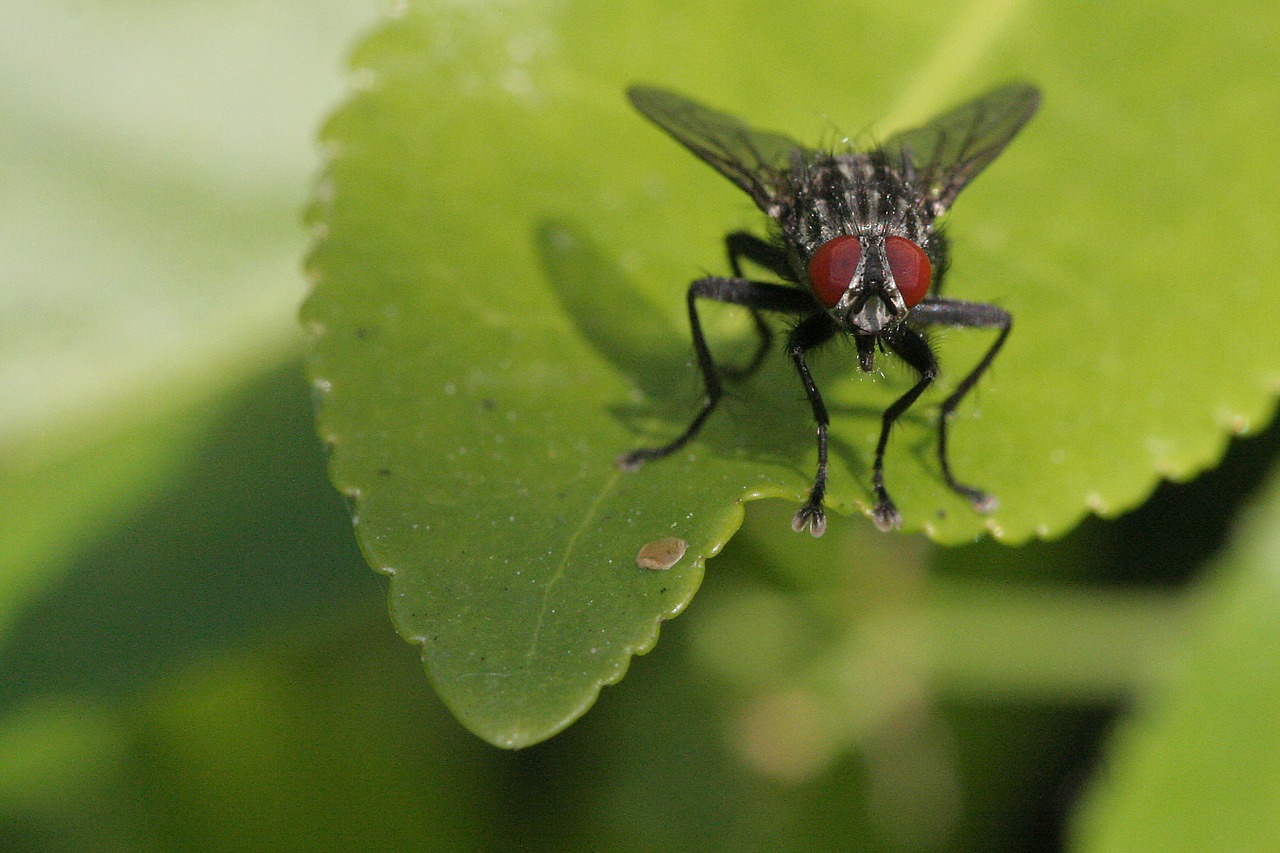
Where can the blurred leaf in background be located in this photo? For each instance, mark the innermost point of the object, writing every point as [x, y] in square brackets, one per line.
[1195, 768]
[154, 157]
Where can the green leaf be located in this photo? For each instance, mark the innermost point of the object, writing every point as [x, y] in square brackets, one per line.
[498, 309]
[148, 201]
[249, 746]
[1196, 769]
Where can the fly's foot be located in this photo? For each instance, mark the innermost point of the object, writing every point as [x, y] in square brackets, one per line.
[632, 460]
[981, 501]
[812, 516]
[886, 516]
[984, 503]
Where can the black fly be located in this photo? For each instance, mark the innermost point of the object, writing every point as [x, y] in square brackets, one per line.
[856, 231]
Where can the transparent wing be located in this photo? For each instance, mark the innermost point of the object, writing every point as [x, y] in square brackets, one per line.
[950, 151]
[757, 161]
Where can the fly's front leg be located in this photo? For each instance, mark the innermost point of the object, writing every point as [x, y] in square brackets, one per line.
[817, 329]
[762, 296]
[974, 315]
[911, 346]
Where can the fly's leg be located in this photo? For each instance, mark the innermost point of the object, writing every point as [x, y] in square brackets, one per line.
[975, 315]
[757, 295]
[911, 346]
[745, 245]
[814, 331]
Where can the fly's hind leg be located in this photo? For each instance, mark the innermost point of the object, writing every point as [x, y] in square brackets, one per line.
[743, 245]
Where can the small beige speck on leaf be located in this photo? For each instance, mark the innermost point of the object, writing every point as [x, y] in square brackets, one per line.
[661, 554]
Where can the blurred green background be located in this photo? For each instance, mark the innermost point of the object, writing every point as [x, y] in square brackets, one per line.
[193, 654]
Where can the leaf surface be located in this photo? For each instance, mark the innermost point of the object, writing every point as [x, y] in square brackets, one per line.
[498, 310]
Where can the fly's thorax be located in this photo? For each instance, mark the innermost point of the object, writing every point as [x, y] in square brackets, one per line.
[829, 195]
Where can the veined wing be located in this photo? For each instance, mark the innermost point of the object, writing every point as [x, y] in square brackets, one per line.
[757, 161]
[950, 151]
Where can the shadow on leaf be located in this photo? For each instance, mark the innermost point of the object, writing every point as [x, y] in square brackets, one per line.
[765, 416]
[614, 317]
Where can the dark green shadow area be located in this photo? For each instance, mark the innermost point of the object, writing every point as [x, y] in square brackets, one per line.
[1166, 542]
[613, 316]
[250, 534]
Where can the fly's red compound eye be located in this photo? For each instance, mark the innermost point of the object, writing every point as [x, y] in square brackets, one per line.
[910, 266]
[832, 268]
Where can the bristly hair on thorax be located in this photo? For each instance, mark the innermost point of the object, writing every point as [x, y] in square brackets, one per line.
[828, 194]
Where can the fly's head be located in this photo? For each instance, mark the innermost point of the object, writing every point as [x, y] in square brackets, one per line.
[869, 282]
[856, 225]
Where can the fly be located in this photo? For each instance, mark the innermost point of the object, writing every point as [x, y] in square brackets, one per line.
[854, 237]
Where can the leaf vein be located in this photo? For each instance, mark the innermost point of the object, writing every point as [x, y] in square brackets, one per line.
[587, 519]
